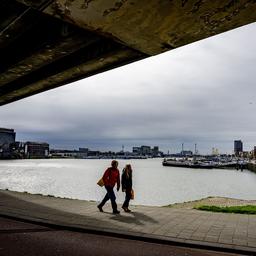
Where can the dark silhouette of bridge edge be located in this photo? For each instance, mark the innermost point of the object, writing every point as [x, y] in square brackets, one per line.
[49, 43]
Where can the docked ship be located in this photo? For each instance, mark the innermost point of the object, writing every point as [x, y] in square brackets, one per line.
[188, 164]
[204, 164]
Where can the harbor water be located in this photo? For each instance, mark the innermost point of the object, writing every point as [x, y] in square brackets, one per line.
[154, 184]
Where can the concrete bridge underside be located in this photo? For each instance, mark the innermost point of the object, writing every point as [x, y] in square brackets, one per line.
[48, 43]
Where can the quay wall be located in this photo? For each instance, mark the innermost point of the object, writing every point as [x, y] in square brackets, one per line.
[252, 167]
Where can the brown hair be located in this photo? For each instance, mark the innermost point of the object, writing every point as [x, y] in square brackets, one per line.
[128, 168]
[114, 163]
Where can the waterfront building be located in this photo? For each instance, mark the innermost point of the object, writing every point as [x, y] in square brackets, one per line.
[155, 151]
[145, 150]
[82, 152]
[17, 150]
[238, 147]
[7, 138]
[94, 153]
[36, 149]
[87, 153]
[136, 150]
[63, 153]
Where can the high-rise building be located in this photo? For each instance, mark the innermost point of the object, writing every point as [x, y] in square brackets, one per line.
[238, 147]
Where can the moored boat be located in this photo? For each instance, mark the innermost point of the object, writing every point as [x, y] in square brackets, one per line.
[188, 164]
[204, 164]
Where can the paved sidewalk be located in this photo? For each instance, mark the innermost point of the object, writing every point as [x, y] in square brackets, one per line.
[231, 231]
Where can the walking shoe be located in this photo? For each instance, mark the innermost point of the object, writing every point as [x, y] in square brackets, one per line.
[100, 208]
[116, 212]
[126, 209]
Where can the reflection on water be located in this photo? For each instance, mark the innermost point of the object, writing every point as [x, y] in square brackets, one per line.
[153, 183]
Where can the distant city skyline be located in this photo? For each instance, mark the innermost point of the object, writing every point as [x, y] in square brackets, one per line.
[202, 93]
[174, 149]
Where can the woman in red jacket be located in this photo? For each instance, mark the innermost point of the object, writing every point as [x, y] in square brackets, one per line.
[110, 178]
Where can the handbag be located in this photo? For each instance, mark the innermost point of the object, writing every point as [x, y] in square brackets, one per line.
[132, 194]
[100, 182]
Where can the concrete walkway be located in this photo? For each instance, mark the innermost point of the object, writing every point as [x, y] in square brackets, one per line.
[218, 230]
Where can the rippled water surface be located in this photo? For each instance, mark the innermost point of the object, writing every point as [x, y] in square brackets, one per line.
[153, 183]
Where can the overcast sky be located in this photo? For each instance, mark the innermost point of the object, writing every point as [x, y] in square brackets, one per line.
[202, 93]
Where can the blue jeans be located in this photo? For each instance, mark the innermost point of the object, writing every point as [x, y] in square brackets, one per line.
[110, 195]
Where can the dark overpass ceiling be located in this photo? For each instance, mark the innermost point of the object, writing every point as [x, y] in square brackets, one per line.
[48, 43]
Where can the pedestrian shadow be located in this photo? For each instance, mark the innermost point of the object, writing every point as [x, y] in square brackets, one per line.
[144, 217]
[137, 218]
[22, 208]
[33, 211]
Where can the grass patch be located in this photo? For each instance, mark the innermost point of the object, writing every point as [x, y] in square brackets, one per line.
[245, 209]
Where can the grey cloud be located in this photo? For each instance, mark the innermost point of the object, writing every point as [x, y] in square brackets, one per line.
[202, 93]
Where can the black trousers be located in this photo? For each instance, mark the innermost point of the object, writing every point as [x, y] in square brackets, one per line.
[110, 195]
[128, 194]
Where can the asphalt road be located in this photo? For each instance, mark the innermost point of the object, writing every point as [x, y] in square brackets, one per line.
[19, 238]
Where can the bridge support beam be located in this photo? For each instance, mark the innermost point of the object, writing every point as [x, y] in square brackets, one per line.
[48, 43]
